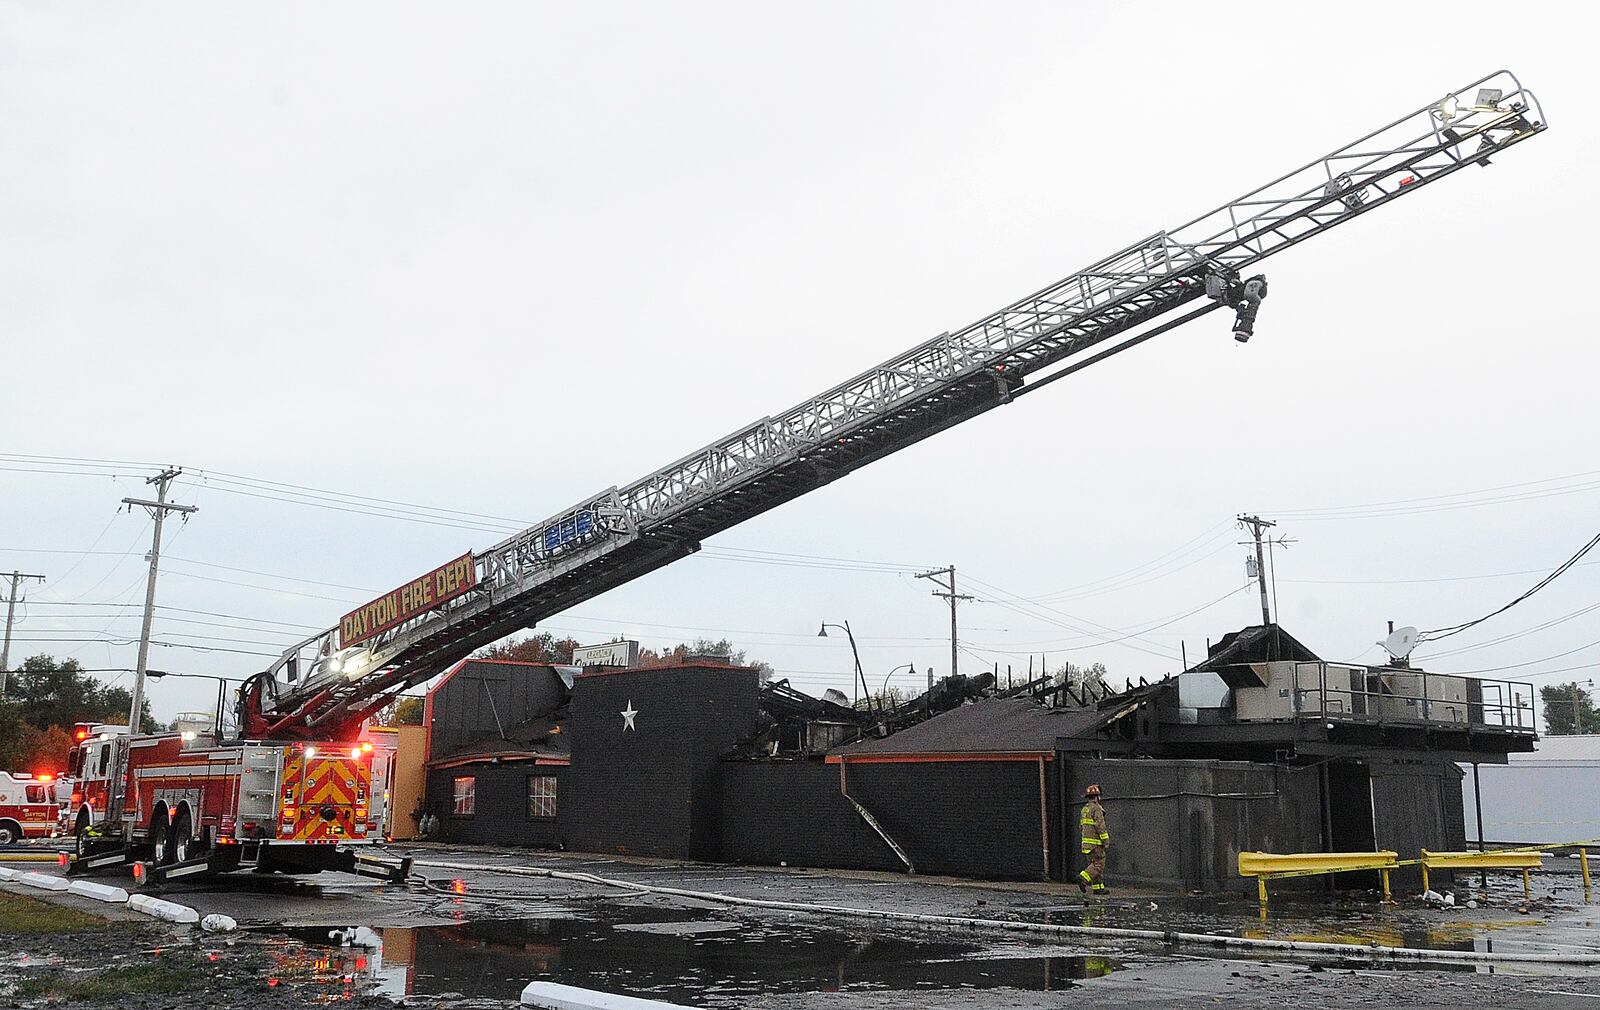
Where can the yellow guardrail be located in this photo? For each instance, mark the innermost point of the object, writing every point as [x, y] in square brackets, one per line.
[1526, 860]
[1266, 866]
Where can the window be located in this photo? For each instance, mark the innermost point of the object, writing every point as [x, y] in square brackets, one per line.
[541, 796]
[463, 790]
[36, 794]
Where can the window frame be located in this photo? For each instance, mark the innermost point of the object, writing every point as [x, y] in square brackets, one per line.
[456, 796]
[554, 797]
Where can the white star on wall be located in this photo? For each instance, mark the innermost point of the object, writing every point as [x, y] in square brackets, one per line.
[627, 717]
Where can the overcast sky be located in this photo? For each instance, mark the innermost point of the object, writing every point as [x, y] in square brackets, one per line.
[495, 258]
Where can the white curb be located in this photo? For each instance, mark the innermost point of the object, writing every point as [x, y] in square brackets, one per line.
[552, 996]
[168, 910]
[7, 873]
[44, 881]
[99, 892]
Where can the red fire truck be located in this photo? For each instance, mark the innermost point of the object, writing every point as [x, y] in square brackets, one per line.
[186, 803]
[27, 806]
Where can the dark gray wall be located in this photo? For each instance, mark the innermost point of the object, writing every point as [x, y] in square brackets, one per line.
[501, 808]
[792, 812]
[962, 818]
[968, 819]
[462, 710]
[654, 789]
[1416, 806]
[1182, 823]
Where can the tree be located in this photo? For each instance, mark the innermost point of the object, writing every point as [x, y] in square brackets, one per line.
[1077, 677]
[406, 711]
[541, 648]
[546, 648]
[13, 737]
[26, 748]
[47, 750]
[1568, 709]
[48, 693]
[680, 653]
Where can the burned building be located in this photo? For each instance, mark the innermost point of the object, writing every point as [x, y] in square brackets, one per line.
[497, 754]
[1262, 746]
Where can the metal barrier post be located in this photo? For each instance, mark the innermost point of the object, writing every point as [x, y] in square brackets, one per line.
[1387, 900]
[1425, 885]
[1527, 886]
[1583, 861]
[1261, 890]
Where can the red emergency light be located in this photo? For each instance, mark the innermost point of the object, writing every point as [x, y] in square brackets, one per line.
[44, 777]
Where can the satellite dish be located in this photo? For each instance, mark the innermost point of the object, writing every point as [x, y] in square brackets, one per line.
[1400, 642]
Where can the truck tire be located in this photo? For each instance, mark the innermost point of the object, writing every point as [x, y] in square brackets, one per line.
[10, 831]
[160, 840]
[80, 833]
[185, 846]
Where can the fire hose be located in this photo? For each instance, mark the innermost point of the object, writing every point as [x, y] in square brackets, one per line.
[1168, 937]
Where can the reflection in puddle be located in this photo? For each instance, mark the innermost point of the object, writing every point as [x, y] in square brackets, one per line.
[667, 954]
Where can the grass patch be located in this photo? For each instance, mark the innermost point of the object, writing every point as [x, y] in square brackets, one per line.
[142, 978]
[20, 916]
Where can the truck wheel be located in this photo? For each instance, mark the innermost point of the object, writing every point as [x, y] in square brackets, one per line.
[10, 831]
[80, 833]
[184, 845]
[160, 841]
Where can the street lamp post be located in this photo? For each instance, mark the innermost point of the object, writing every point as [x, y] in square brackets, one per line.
[861, 677]
[903, 666]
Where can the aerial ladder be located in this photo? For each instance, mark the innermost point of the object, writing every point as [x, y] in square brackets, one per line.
[327, 684]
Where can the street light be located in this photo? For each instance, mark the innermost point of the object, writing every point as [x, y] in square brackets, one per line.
[903, 666]
[861, 677]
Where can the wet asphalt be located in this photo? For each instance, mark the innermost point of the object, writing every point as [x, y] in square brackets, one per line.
[480, 934]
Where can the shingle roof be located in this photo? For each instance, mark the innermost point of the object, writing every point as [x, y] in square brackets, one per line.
[991, 726]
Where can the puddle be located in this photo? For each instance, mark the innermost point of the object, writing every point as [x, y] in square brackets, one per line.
[669, 954]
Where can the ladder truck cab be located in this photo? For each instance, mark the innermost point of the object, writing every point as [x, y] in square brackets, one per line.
[184, 803]
[91, 767]
[28, 806]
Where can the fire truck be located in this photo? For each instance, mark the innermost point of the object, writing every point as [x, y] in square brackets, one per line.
[28, 806]
[295, 790]
[190, 802]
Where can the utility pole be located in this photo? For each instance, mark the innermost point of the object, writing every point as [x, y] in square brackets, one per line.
[11, 610]
[159, 509]
[1257, 524]
[951, 595]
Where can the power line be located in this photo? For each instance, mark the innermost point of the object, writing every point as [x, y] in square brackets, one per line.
[1455, 629]
[1513, 636]
[1442, 578]
[1134, 575]
[1172, 619]
[1536, 662]
[1059, 622]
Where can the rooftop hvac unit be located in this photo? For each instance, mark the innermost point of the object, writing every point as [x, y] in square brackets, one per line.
[1424, 697]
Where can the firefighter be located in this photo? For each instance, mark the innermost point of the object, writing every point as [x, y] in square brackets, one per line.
[1095, 840]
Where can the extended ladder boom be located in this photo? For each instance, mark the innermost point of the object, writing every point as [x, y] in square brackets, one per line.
[622, 533]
